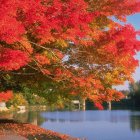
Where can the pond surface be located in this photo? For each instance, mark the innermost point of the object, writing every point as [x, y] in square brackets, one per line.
[91, 125]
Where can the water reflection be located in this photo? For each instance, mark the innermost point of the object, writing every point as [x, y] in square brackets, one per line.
[30, 117]
[81, 116]
[98, 125]
[135, 123]
[25, 117]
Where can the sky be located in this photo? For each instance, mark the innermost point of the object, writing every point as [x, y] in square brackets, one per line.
[135, 21]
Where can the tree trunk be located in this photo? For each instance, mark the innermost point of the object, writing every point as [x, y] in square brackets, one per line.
[84, 104]
[109, 105]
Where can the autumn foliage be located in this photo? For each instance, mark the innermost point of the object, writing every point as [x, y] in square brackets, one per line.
[74, 41]
[5, 96]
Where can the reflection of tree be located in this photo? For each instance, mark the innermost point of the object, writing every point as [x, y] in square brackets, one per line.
[29, 117]
[21, 117]
[6, 115]
[135, 122]
[35, 118]
[32, 117]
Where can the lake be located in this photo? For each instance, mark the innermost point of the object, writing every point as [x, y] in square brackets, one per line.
[89, 125]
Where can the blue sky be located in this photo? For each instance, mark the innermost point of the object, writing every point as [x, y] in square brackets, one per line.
[135, 21]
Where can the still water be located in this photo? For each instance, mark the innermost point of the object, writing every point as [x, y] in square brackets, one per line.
[91, 125]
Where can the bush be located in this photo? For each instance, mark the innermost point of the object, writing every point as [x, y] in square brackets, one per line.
[17, 100]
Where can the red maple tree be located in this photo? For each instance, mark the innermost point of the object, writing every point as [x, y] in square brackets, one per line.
[75, 41]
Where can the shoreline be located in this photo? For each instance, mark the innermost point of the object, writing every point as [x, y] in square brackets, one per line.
[26, 131]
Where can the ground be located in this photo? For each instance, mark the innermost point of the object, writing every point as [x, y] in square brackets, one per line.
[12, 130]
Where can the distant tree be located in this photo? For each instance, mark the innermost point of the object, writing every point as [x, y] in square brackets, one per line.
[125, 92]
[134, 87]
[135, 92]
